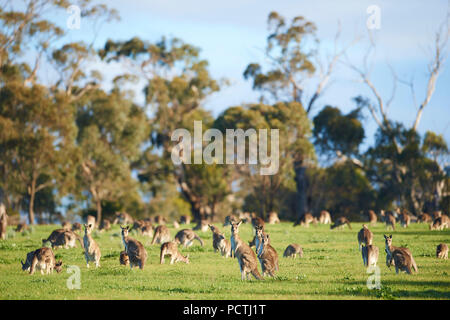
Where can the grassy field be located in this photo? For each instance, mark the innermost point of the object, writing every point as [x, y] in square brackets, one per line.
[331, 268]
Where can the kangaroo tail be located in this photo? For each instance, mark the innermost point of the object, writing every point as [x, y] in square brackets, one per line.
[349, 225]
[414, 265]
[199, 240]
[256, 274]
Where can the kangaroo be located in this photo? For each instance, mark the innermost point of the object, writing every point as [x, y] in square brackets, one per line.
[124, 259]
[245, 217]
[442, 251]
[403, 259]
[267, 256]
[123, 218]
[76, 227]
[425, 218]
[405, 219]
[216, 237]
[257, 221]
[256, 239]
[147, 230]
[105, 225]
[273, 218]
[440, 223]
[63, 238]
[161, 235]
[202, 225]
[186, 237]
[21, 227]
[365, 236]
[91, 248]
[176, 225]
[160, 220]
[136, 252]
[306, 219]
[292, 250]
[325, 217]
[66, 225]
[185, 219]
[91, 220]
[224, 246]
[244, 254]
[370, 255]
[229, 219]
[389, 219]
[171, 248]
[372, 217]
[3, 221]
[341, 222]
[437, 214]
[42, 259]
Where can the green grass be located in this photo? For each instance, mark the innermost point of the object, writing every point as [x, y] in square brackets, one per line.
[330, 269]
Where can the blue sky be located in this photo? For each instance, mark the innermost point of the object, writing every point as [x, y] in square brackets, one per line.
[233, 33]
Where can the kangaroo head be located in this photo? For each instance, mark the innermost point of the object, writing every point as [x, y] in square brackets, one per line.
[88, 228]
[388, 240]
[58, 266]
[235, 227]
[187, 259]
[125, 231]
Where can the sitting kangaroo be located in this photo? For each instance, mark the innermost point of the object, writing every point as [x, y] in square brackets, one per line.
[292, 250]
[171, 248]
[370, 255]
[402, 257]
[224, 246]
[325, 217]
[161, 235]
[135, 250]
[43, 259]
[63, 238]
[442, 251]
[244, 254]
[273, 218]
[267, 256]
[91, 248]
[186, 237]
[365, 237]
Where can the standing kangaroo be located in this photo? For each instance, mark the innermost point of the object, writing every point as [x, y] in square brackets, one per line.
[389, 219]
[370, 255]
[365, 236]
[186, 237]
[402, 257]
[267, 256]
[292, 250]
[324, 217]
[341, 222]
[224, 246]
[136, 252]
[216, 237]
[91, 248]
[244, 254]
[161, 235]
[171, 248]
[442, 251]
[372, 217]
[405, 219]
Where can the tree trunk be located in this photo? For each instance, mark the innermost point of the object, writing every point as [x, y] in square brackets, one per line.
[99, 211]
[32, 193]
[301, 180]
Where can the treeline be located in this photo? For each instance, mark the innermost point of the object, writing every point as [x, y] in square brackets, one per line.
[72, 144]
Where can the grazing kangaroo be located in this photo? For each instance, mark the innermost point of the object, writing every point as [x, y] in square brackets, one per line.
[341, 222]
[306, 219]
[405, 219]
[267, 256]
[370, 255]
[186, 237]
[402, 257]
[292, 250]
[42, 259]
[162, 234]
[229, 219]
[372, 217]
[3, 221]
[136, 252]
[365, 236]
[325, 217]
[244, 254]
[124, 259]
[440, 223]
[63, 238]
[171, 248]
[91, 248]
[22, 226]
[442, 251]
[425, 218]
[273, 218]
[77, 227]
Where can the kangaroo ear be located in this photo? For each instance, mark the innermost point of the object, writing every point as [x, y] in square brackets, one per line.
[390, 236]
[22, 263]
[90, 225]
[239, 223]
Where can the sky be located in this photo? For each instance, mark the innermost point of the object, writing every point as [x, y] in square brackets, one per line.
[232, 34]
